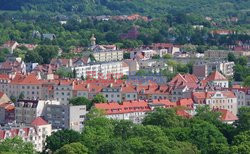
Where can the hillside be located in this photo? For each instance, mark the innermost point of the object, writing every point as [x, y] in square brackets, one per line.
[215, 8]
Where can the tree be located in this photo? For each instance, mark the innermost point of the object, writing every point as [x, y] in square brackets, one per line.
[231, 57]
[141, 73]
[96, 132]
[64, 73]
[47, 52]
[213, 117]
[81, 101]
[247, 82]
[241, 143]
[99, 98]
[123, 128]
[60, 138]
[156, 57]
[72, 148]
[167, 56]
[243, 123]
[33, 56]
[95, 113]
[16, 146]
[204, 134]
[126, 55]
[163, 117]
[242, 60]
[21, 96]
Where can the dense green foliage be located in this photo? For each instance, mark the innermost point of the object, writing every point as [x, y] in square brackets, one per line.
[81, 101]
[163, 131]
[100, 7]
[60, 138]
[16, 146]
[72, 148]
[99, 98]
[242, 71]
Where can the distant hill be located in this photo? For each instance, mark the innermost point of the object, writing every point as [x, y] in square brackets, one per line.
[215, 8]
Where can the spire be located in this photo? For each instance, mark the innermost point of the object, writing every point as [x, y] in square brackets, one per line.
[93, 40]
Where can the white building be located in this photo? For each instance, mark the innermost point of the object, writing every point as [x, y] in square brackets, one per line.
[36, 133]
[217, 79]
[217, 100]
[102, 70]
[134, 111]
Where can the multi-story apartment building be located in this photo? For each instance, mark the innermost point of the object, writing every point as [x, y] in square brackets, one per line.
[203, 68]
[63, 91]
[108, 55]
[27, 110]
[136, 110]
[152, 65]
[7, 113]
[36, 132]
[243, 95]
[217, 100]
[29, 86]
[65, 116]
[223, 54]
[102, 70]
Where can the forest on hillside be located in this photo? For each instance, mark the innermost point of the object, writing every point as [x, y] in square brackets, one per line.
[214, 8]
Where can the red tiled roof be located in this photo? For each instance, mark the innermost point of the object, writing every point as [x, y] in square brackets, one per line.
[215, 76]
[209, 94]
[31, 79]
[187, 102]
[183, 113]
[227, 115]
[2, 134]
[184, 80]
[4, 77]
[125, 107]
[39, 121]
[7, 106]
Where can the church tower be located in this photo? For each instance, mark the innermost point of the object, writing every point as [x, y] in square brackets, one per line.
[93, 40]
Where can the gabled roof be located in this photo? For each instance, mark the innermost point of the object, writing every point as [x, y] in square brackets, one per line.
[227, 115]
[215, 76]
[39, 121]
[188, 80]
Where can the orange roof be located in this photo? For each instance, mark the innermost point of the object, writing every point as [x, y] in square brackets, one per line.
[209, 94]
[183, 113]
[4, 77]
[31, 79]
[187, 102]
[125, 107]
[7, 106]
[39, 121]
[188, 80]
[165, 102]
[227, 115]
[215, 76]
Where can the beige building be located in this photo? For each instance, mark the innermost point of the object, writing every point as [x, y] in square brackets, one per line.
[3, 98]
[217, 100]
[223, 54]
[108, 55]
